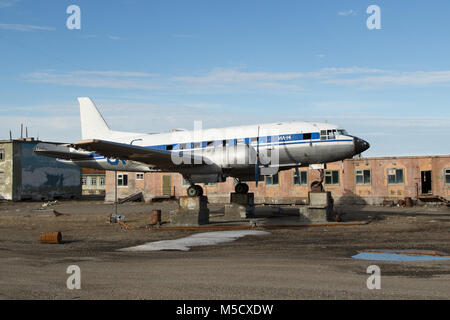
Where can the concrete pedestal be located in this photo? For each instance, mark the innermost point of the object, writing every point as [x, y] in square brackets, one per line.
[242, 206]
[192, 211]
[320, 208]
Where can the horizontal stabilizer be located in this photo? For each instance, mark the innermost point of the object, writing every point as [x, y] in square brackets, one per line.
[61, 151]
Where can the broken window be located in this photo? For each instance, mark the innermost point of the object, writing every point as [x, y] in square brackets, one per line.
[122, 180]
[2, 154]
[169, 147]
[139, 176]
[83, 181]
[362, 177]
[447, 176]
[301, 179]
[395, 176]
[332, 177]
[102, 181]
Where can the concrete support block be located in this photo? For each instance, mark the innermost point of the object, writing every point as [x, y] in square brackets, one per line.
[245, 199]
[317, 214]
[242, 206]
[319, 198]
[192, 211]
[320, 208]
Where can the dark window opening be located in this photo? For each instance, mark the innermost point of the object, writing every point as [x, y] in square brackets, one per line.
[332, 177]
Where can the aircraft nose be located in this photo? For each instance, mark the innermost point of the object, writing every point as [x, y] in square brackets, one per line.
[360, 145]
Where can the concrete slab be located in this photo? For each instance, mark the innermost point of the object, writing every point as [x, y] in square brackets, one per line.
[236, 211]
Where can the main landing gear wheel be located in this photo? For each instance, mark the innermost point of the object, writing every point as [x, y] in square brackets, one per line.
[241, 188]
[195, 191]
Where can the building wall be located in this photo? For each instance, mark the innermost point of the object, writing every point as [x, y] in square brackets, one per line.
[45, 178]
[345, 191]
[6, 172]
[34, 177]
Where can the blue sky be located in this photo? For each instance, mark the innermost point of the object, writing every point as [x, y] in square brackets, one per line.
[151, 66]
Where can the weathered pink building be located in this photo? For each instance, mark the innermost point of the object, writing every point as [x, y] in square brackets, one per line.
[365, 180]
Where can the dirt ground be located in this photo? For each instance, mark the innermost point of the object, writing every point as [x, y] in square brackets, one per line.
[303, 263]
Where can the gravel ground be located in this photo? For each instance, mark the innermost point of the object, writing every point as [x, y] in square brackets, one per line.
[304, 263]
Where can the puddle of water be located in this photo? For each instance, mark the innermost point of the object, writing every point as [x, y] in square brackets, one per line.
[402, 255]
[395, 257]
[198, 239]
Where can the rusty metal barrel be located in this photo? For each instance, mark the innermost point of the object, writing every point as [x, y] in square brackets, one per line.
[156, 216]
[408, 202]
[51, 237]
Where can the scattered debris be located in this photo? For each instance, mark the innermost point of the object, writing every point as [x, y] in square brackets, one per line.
[59, 214]
[137, 197]
[48, 204]
[114, 218]
[123, 224]
[388, 203]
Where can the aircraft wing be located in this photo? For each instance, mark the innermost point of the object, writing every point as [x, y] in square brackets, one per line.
[161, 159]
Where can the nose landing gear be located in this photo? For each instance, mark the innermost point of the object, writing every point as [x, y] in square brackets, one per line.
[241, 188]
[195, 191]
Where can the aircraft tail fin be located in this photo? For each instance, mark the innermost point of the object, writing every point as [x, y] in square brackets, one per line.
[93, 126]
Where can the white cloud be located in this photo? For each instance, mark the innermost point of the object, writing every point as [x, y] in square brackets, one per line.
[236, 80]
[96, 79]
[218, 78]
[24, 27]
[417, 78]
[7, 3]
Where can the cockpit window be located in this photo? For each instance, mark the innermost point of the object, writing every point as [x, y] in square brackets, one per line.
[331, 134]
